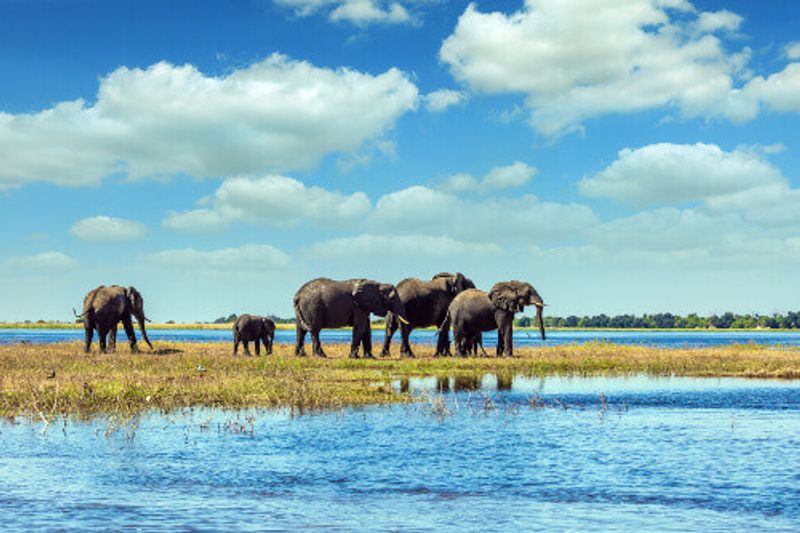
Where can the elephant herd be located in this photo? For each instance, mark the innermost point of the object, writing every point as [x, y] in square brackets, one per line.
[446, 300]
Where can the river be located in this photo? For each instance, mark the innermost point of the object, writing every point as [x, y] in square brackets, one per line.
[579, 454]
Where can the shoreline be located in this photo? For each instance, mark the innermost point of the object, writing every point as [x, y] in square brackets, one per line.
[50, 380]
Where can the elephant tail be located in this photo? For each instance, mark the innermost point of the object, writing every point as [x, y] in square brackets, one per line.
[299, 315]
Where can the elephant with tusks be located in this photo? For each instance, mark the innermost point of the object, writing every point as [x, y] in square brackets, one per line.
[326, 303]
[474, 311]
[104, 308]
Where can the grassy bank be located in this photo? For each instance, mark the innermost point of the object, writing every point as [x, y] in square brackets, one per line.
[59, 379]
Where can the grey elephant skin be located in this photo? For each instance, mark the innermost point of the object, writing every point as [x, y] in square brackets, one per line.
[326, 303]
[474, 311]
[105, 307]
[426, 303]
[253, 328]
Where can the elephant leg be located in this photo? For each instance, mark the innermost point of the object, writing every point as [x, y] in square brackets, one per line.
[356, 340]
[299, 348]
[89, 333]
[500, 342]
[235, 343]
[246, 345]
[112, 338]
[102, 334]
[128, 325]
[509, 341]
[443, 339]
[405, 333]
[258, 346]
[317, 345]
[391, 327]
[459, 340]
[366, 342]
[268, 345]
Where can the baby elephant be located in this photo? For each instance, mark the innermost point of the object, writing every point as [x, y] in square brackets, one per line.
[253, 328]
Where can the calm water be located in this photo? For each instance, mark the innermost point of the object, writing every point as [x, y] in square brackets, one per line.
[676, 339]
[672, 454]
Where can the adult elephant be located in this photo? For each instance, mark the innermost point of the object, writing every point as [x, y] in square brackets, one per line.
[473, 312]
[325, 303]
[249, 328]
[105, 307]
[426, 305]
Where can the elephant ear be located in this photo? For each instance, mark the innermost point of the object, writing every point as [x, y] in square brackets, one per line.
[459, 283]
[367, 296]
[134, 298]
[503, 296]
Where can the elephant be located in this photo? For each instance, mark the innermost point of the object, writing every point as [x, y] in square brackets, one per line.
[103, 309]
[248, 328]
[475, 311]
[426, 305]
[326, 303]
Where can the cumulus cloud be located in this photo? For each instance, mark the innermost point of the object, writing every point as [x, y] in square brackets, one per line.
[673, 173]
[712, 21]
[506, 177]
[792, 50]
[250, 257]
[578, 59]
[45, 261]
[273, 200]
[526, 219]
[389, 245]
[357, 12]
[438, 101]
[103, 228]
[273, 115]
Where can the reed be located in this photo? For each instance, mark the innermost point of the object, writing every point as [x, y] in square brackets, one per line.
[47, 381]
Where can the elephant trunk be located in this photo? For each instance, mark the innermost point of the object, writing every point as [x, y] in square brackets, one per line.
[399, 310]
[141, 318]
[539, 308]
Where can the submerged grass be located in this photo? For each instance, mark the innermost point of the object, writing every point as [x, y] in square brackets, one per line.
[48, 381]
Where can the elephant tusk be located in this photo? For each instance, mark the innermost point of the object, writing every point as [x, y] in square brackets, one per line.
[403, 320]
[542, 304]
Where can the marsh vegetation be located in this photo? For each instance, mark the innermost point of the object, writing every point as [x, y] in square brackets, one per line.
[46, 381]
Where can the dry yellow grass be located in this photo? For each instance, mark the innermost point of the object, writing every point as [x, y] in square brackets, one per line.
[59, 379]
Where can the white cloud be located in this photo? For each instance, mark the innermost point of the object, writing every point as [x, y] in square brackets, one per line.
[364, 12]
[438, 101]
[458, 183]
[514, 175]
[498, 178]
[382, 246]
[578, 59]
[250, 257]
[526, 219]
[274, 200]
[779, 92]
[103, 228]
[46, 261]
[673, 173]
[273, 115]
[724, 20]
[357, 12]
[792, 50]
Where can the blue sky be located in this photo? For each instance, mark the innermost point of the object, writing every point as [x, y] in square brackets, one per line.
[632, 156]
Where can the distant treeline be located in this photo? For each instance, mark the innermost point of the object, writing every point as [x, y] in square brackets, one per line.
[790, 320]
[233, 317]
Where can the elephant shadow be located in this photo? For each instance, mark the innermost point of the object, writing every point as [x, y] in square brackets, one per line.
[166, 351]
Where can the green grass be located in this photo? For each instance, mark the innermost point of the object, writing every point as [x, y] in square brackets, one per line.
[45, 381]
